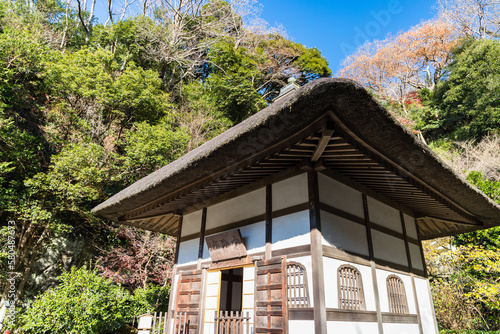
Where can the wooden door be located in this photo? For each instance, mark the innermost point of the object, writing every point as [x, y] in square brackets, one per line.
[271, 314]
[188, 300]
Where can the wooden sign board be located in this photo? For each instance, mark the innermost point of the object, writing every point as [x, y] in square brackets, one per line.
[225, 246]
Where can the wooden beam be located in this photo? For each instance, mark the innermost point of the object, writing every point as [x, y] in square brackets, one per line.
[323, 142]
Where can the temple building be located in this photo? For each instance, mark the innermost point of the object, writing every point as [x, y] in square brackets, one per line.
[307, 217]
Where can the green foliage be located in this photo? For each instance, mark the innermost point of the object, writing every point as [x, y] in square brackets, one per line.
[466, 103]
[489, 238]
[153, 298]
[150, 147]
[231, 82]
[82, 303]
[313, 64]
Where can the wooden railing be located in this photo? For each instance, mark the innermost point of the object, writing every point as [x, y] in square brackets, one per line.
[232, 323]
[159, 325]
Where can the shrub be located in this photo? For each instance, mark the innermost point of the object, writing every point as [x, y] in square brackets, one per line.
[83, 302]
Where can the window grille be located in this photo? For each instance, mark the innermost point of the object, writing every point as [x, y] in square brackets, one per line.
[397, 295]
[298, 293]
[350, 288]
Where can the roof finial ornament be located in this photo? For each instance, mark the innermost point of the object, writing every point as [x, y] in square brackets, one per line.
[292, 85]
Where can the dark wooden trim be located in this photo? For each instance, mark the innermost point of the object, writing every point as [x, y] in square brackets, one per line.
[365, 190]
[341, 213]
[249, 221]
[288, 173]
[292, 209]
[405, 236]
[202, 232]
[178, 241]
[394, 318]
[422, 254]
[269, 220]
[301, 313]
[339, 254]
[230, 226]
[296, 251]
[397, 266]
[368, 227]
[318, 276]
[350, 315]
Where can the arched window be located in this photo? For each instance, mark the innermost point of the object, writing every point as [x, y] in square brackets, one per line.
[350, 288]
[298, 292]
[397, 295]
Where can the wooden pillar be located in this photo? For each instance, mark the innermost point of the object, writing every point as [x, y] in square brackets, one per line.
[318, 276]
[269, 222]
[410, 269]
[372, 264]
[171, 302]
[202, 237]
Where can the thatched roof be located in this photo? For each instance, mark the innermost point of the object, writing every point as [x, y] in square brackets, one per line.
[364, 144]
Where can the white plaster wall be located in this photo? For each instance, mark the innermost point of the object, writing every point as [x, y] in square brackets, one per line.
[427, 316]
[401, 329]
[191, 223]
[343, 234]
[188, 251]
[340, 196]
[345, 327]
[236, 209]
[291, 230]
[290, 192]
[330, 268]
[211, 301]
[254, 238]
[389, 248]
[383, 293]
[300, 326]
[306, 262]
[384, 215]
[411, 226]
[416, 256]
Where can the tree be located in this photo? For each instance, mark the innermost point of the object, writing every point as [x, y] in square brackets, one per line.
[399, 65]
[466, 103]
[142, 257]
[472, 18]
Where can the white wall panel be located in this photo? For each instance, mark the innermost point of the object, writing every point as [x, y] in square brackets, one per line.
[330, 268]
[300, 326]
[345, 327]
[235, 209]
[290, 192]
[411, 226]
[429, 324]
[401, 329]
[191, 223]
[188, 251]
[340, 196]
[384, 215]
[389, 248]
[211, 301]
[343, 234]
[416, 256]
[291, 230]
[383, 293]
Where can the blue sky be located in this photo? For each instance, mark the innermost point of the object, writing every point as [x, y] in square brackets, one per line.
[337, 27]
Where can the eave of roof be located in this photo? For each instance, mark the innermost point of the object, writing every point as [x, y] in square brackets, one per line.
[353, 110]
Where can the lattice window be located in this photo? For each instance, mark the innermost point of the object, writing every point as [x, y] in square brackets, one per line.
[350, 288]
[397, 295]
[298, 293]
